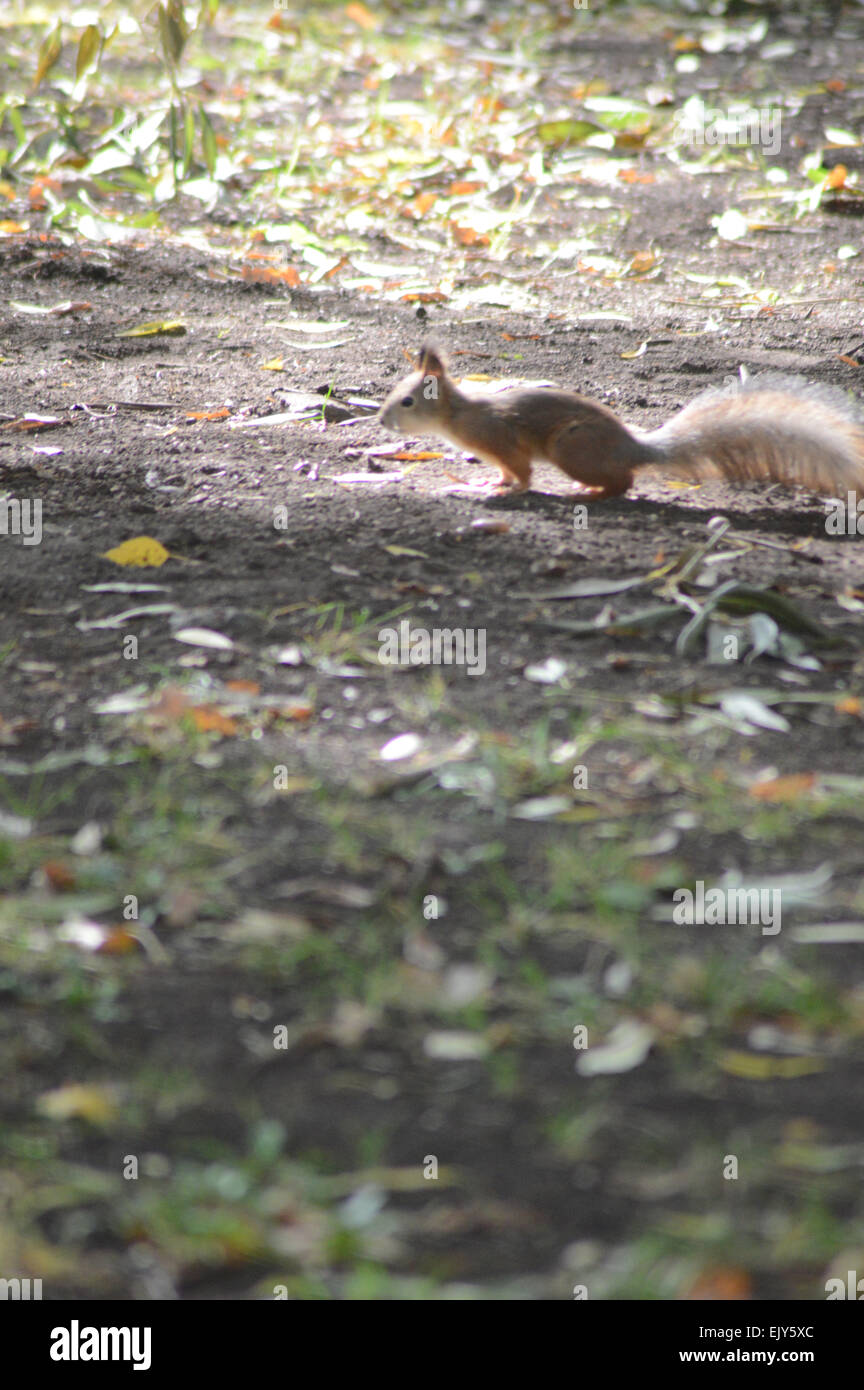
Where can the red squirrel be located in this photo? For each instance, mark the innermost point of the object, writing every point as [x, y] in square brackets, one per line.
[769, 428]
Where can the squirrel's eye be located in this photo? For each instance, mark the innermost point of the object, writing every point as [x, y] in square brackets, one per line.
[407, 400]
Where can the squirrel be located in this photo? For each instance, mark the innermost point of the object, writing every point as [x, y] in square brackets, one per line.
[770, 428]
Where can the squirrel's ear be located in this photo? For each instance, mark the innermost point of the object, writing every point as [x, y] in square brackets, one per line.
[430, 361]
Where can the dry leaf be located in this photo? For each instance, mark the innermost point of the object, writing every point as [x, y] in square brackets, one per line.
[791, 788]
[96, 1104]
[172, 328]
[466, 236]
[635, 176]
[204, 637]
[753, 1066]
[209, 720]
[288, 275]
[61, 879]
[360, 15]
[118, 942]
[140, 551]
[721, 1284]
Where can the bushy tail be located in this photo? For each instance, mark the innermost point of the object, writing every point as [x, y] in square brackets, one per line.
[772, 428]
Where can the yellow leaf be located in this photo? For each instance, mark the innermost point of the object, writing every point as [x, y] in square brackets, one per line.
[88, 50]
[141, 550]
[97, 1104]
[756, 1067]
[405, 550]
[172, 327]
[50, 51]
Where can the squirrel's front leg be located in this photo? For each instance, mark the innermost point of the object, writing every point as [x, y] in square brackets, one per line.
[507, 482]
[515, 475]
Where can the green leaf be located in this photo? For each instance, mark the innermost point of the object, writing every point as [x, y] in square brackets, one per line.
[50, 51]
[147, 133]
[172, 30]
[188, 138]
[567, 132]
[208, 141]
[17, 124]
[89, 46]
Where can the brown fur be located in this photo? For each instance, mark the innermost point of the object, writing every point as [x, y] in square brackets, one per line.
[772, 429]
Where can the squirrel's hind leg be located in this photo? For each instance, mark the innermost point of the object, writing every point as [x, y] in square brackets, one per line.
[612, 485]
[597, 494]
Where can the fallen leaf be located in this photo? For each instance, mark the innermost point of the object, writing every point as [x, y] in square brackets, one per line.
[140, 550]
[96, 1104]
[59, 876]
[755, 1067]
[172, 328]
[209, 720]
[726, 1285]
[360, 15]
[204, 637]
[455, 1047]
[288, 275]
[791, 788]
[625, 1048]
[118, 942]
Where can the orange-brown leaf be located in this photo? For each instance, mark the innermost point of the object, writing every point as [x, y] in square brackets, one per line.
[790, 788]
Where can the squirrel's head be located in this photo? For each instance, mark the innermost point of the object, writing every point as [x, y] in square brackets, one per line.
[416, 403]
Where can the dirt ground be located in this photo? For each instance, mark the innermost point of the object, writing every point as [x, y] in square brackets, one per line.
[300, 904]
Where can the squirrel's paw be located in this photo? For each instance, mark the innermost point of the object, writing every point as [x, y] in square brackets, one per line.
[489, 487]
[592, 494]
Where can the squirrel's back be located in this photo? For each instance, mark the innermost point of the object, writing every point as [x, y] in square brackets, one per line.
[770, 428]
